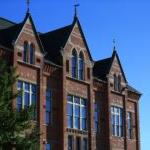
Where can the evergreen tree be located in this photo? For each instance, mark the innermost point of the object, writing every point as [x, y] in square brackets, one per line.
[17, 129]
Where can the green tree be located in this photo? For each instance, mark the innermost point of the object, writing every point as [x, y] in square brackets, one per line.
[17, 129]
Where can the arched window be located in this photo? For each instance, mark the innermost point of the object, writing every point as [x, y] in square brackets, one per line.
[115, 83]
[119, 83]
[74, 64]
[25, 51]
[32, 54]
[81, 66]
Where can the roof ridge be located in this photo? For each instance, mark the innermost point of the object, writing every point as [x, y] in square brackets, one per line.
[56, 29]
[8, 20]
[103, 59]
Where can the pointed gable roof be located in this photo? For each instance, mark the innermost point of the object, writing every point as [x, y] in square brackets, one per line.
[4, 23]
[10, 34]
[102, 67]
[76, 20]
[55, 41]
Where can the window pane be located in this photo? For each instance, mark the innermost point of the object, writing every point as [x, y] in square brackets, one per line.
[83, 124]
[83, 112]
[48, 147]
[32, 51]
[70, 109]
[85, 144]
[19, 102]
[70, 143]
[26, 99]
[33, 88]
[70, 121]
[27, 86]
[76, 123]
[47, 117]
[19, 85]
[77, 110]
[83, 102]
[70, 98]
[47, 105]
[77, 100]
[78, 144]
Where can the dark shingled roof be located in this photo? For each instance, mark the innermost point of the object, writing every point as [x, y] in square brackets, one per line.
[4, 23]
[8, 35]
[53, 42]
[101, 68]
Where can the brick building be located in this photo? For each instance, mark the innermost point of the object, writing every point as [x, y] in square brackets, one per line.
[81, 104]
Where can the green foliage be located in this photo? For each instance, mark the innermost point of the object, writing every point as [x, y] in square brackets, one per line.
[17, 128]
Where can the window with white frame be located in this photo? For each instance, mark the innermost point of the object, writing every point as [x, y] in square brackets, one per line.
[27, 95]
[76, 113]
[129, 124]
[48, 113]
[117, 121]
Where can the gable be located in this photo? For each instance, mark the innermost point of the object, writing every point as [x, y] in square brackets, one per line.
[28, 33]
[77, 41]
[116, 68]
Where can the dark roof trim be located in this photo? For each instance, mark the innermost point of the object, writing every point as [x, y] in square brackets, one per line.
[113, 56]
[11, 22]
[130, 88]
[51, 63]
[28, 15]
[6, 48]
[76, 20]
[100, 80]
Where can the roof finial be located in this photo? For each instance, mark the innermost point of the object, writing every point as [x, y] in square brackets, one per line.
[28, 6]
[114, 44]
[76, 5]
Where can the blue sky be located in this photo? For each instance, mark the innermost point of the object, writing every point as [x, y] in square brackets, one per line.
[128, 21]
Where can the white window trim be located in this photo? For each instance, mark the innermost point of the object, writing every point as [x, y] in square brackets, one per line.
[80, 118]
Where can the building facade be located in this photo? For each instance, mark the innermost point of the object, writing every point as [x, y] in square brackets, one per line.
[81, 104]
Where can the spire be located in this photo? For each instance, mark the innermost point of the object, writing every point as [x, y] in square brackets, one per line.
[76, 5]
[28, 6]
[114, 45]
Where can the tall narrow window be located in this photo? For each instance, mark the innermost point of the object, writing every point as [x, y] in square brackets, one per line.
[119, 83]
[81, 66]
[117, 121]
[85, 144]
[48, 114]
[25, 51]
[76, 112]
[70, 142]
[27, 96]
[129, 124]
[70, 111]
[32, 54]
[74, 64]
[83, 108]
[115, 83]
[78, 143]
[96, 117]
